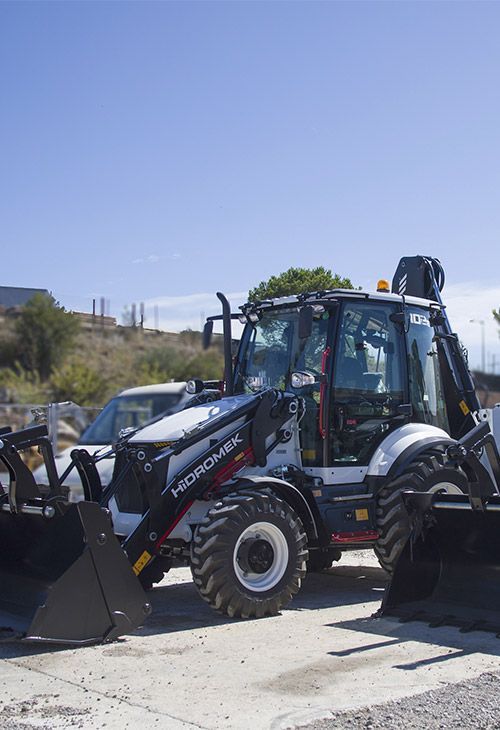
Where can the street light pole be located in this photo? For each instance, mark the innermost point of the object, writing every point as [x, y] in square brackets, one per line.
[481, 322]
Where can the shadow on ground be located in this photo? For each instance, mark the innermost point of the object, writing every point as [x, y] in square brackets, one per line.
[179, 607]
[381, 632]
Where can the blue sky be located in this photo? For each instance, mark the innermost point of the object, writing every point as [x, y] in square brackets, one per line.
[158, 152]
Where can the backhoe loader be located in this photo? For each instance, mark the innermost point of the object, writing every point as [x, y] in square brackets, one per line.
[337, 403]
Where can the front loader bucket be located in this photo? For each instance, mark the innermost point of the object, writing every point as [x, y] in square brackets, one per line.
[65, 578]
[449, 570]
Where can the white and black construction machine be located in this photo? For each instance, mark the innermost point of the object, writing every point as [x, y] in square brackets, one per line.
[336, 403]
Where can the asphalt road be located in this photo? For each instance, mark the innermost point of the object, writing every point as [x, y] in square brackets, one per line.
[188, 667]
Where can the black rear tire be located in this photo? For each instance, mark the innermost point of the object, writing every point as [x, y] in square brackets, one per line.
[431, 471]
[322, 559]
[248, 555]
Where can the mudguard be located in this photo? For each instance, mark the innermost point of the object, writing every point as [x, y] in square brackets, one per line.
[402, 445]
[291, 495]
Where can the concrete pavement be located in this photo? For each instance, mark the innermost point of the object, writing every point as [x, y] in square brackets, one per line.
[188, 667]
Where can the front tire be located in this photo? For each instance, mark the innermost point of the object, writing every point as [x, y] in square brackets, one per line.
[430, 472]
[248, 555]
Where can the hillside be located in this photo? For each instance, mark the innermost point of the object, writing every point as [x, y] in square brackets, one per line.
[104, 361]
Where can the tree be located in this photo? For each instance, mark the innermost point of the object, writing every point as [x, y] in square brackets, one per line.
[297, 281]
[46, 332]
[496, 314]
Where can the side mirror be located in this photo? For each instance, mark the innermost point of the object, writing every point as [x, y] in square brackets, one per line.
[194, 386]
[437, 317]
[207, 333]
[401, 319]
[305, 321]
[300, 379]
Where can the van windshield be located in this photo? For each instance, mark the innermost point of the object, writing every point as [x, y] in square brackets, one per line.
[127, 411]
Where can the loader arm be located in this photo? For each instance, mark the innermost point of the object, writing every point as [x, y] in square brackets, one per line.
[21, 481]
[263, 417]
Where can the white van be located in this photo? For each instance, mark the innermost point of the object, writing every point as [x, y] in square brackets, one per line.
[129, 409]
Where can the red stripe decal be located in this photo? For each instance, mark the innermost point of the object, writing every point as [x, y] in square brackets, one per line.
[232, 468]
[222, 476]
[174, 523]
[322, 392]
[361, 536]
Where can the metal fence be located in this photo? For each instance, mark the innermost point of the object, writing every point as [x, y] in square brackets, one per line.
[65, 421]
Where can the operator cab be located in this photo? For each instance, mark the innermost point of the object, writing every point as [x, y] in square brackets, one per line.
[365, 365]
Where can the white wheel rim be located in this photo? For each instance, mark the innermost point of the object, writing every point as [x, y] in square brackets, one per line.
[446, 487]
[260, 582]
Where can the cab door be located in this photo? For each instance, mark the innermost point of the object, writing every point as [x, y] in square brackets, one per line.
[368, 380]
[312, 356]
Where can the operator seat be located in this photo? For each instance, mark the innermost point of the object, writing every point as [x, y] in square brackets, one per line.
[350, 375]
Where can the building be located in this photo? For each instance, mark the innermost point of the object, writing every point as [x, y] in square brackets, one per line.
[93, 321]
[15, 297]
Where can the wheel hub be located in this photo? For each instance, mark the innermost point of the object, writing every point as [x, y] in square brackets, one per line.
[255, 555]
[260, 557]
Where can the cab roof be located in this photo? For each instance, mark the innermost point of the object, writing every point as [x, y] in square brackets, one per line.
[335, 294]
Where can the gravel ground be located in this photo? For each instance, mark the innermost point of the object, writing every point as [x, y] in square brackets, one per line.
[40, 713]
[469, 704]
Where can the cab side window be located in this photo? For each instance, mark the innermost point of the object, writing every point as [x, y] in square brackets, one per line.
[368, 352]
[426, 387]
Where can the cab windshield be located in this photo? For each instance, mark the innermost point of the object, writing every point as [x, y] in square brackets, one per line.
[272, 350]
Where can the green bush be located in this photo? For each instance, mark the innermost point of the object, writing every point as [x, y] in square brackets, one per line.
[10, 347]
[207, 365]
[20, 386]
[160, 365]
[78, 382]
[94, 365]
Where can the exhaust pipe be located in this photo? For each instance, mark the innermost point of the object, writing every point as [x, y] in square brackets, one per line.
[228, 357]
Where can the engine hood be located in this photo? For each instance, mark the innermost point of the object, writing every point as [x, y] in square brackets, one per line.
[178, 425]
